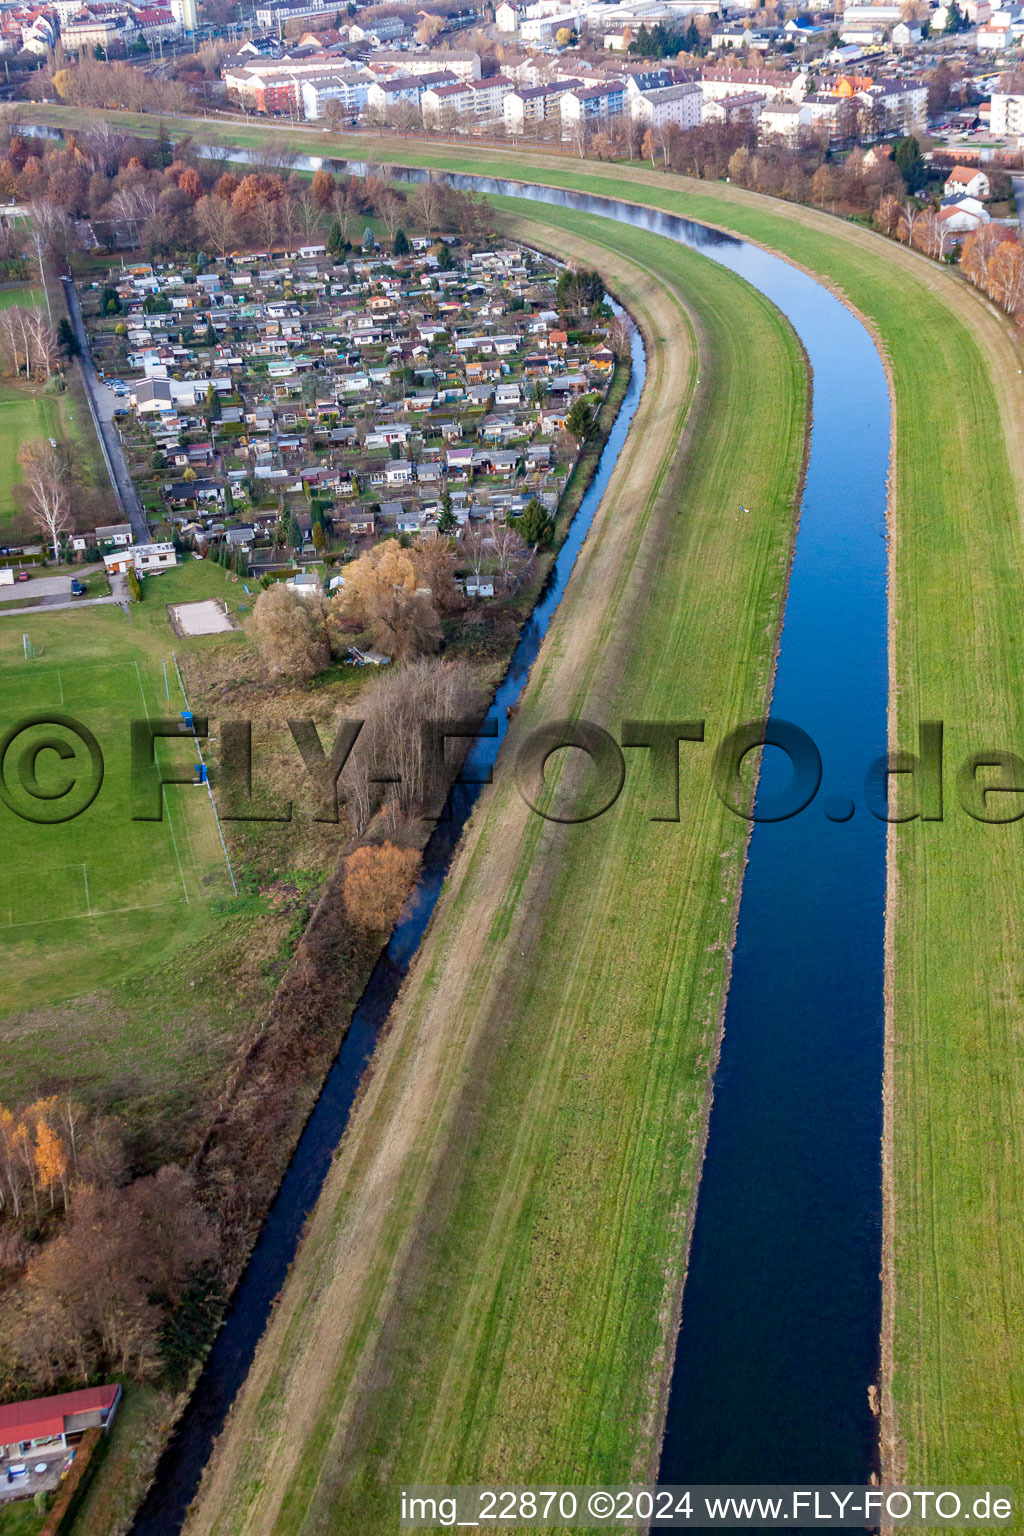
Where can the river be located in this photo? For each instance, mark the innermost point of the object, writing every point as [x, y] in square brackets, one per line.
[781, 1308]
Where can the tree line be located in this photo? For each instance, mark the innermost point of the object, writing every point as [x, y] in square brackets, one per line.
[93, 1262]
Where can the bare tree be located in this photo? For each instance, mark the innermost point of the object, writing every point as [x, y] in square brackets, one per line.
[620, 335]
[217, 223]
[511, 554]
[292, 632]
[136, 205]
[266, 222]
[308, 215]
[48, 494]
[427, 204]
[26, 338]
[393, 744]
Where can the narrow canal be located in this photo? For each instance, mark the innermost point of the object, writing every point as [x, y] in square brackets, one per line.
[781, 1308]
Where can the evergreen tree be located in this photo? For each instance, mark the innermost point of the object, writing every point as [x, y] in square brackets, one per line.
[906, 154]
[66, 338]
[336, 241]
[580, 420]
[400, 245]
[446, 521]
[535, 525]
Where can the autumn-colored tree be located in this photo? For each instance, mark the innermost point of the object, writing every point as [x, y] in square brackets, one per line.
[255, 189]
[191, 183]
[434, 563]
[51, 1162]
[291, 632]
[888, 214]
[1006, 276]
[227, 186]
[323, 187]
[94, 1297]
[383, 590]
[377, 883]
[429, 28]
[826, 186]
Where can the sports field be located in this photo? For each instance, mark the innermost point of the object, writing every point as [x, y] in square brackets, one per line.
[101, 864]
[120, 937]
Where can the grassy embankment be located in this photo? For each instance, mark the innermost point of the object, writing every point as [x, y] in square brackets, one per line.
[954, 1373]
[955, 1280]
[491, 1277]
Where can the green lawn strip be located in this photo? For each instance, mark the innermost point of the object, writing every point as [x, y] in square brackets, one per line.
[21, 1518]
[534, 1311]
[24, 416]
[28, 412]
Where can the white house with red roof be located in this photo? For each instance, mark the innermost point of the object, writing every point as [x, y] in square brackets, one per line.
[50, 1422]
[967, 181]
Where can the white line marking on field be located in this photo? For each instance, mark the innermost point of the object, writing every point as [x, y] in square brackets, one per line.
[85, 877]
[60, 685]
[142, 691]
[174, 841]
[150, 906]
[167, 808]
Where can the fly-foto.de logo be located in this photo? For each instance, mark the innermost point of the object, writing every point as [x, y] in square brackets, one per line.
[53, 767]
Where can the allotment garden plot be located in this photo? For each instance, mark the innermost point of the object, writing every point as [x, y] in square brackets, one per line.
[101, 864]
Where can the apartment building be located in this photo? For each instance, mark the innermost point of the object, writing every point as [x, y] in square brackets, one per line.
[678, 104]
[593, 103]
[536, 104]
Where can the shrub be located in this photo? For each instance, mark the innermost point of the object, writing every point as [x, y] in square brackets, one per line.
[378, 880]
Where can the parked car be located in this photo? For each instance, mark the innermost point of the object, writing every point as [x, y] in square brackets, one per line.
[77, 589]
[22, 576]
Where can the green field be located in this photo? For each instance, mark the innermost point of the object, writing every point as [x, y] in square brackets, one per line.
[490, 1279]
[24, 416]
[126, 930]
[27, 413]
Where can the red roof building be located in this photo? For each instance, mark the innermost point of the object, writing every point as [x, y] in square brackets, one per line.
[64, 1418]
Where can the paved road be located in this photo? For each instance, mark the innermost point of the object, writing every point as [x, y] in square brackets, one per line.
[54, 604]
[101, 403]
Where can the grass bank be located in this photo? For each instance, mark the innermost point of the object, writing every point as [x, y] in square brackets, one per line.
[491, 1278]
